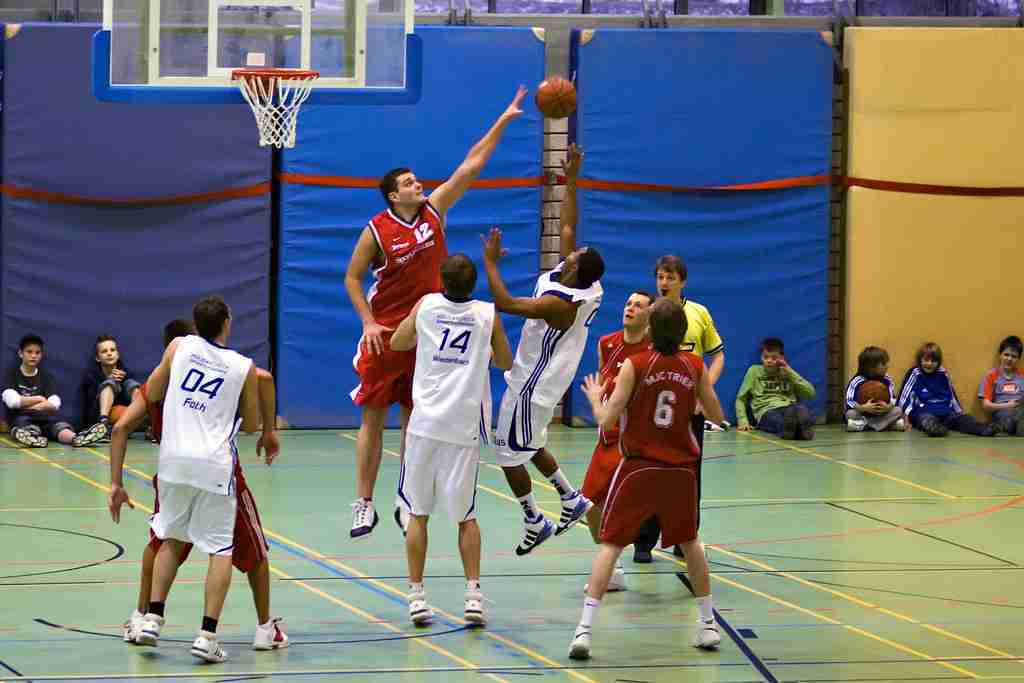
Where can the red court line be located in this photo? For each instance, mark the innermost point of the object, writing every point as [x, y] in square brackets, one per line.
[886, 530]
[18, 192]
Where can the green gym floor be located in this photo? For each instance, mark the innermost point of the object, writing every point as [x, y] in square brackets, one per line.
[855, 557]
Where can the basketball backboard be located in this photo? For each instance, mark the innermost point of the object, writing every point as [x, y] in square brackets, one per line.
[167, 51]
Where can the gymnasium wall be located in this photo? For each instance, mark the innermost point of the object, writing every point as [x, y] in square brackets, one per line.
[696, 109]
[322, 217]
[939, 107]
[116, 219]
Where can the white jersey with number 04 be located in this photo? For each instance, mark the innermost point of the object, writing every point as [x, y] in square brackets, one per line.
[451, 393]
[547, 359]
[200, 415]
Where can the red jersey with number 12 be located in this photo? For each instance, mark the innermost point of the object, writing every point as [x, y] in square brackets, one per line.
[413, 253]
[656, 422]
[615, 351]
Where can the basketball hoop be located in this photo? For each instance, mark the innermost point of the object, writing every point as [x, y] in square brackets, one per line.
[275, 96]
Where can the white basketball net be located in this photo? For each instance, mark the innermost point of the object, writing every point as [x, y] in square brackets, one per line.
[275, 101]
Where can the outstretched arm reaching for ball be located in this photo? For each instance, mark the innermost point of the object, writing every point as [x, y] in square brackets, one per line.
[571, 169]
[451, 190]
[556, 312]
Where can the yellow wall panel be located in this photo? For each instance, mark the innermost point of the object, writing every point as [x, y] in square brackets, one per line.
[940, 106]
[933, 268]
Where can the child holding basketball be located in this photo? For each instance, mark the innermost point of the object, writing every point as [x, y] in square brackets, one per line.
[774, 389]
[870, 399]
[1002, 389]
[929, 401]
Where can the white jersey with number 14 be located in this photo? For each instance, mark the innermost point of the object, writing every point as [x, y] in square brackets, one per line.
[451, 393]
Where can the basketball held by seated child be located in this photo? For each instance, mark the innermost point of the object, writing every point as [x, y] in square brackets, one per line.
[873, 390]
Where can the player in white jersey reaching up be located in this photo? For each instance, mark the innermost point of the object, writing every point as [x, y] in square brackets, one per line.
[554, 336]
[203, 386]
[455, 338]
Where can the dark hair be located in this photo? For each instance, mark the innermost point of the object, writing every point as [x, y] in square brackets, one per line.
[209, 315]
[641, 292]
[104, 338]
[672, 264]
[668, 326]
[389, 183]
[458, 275]
[30, 339]
[589, 267]
[179, 327]
[772, 344]
[869, 358]
[928, 350]
[1012, 342]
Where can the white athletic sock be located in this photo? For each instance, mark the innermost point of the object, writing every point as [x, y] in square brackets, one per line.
[472, 585]
[590, 606]
[136, 614]
[562, 485]
[530, 509]
[415, 587]
[706, 608]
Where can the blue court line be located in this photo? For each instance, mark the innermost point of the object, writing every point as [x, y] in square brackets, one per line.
[978, 470]
[755, 661]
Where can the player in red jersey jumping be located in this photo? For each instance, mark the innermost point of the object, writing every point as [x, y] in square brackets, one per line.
[405, 245]
[656, 394]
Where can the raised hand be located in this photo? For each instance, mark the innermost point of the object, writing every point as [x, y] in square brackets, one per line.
[572, 162]
[593, 387]
[493, 250]
[514, 110]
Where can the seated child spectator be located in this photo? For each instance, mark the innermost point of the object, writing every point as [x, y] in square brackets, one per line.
[773, 389]
[105, 385]
[1002, 389]
[30, 394]
[872, 365]
[929, 401]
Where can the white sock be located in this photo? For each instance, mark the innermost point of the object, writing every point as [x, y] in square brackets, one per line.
[562, 485]
[415, 587]
[706, 607]
[472, 585]
[267, 625]
[590, 606]
[530, 509]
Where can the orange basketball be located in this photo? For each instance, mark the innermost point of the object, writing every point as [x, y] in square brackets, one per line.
[556, 97]
[116, 412]
[873, 390]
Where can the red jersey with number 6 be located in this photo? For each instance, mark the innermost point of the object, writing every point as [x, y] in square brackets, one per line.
[413, 253]
[656, 421]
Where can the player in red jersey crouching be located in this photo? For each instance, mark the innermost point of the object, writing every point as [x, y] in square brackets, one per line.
[656, 394]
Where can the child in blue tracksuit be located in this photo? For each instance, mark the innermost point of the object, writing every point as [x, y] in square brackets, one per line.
[929, 400]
